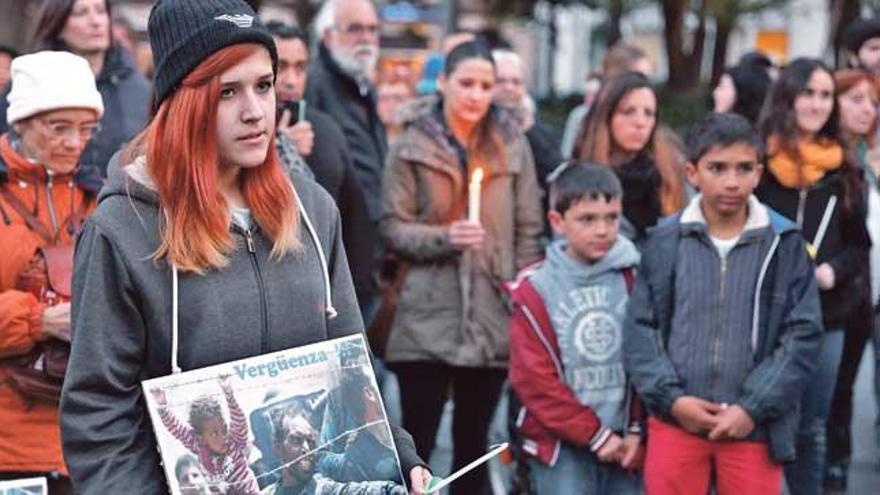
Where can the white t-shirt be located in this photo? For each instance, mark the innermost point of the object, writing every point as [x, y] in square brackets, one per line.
[241, 217]
[724, 246]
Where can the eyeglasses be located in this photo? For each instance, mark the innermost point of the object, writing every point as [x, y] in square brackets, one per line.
[357, 29]
[63, 130]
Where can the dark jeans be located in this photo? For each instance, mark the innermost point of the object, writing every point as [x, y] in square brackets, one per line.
[876, 340]
[859, 331]
[424, 388]
[579, 472]
[806, 474]
[57, 484]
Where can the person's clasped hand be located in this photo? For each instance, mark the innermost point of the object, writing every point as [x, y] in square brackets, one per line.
[56, 322]
[716, 421]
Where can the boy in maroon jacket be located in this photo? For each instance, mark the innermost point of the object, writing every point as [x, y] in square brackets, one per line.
[577, 421]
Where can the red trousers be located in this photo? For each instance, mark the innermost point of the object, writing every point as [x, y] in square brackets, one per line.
[678, 463]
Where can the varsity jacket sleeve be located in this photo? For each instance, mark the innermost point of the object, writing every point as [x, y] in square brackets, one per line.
[21, 316]
[107, 438]
[779, 379]
[536, 380]
[644, 356]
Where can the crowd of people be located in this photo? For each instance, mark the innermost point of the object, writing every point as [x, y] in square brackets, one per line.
[672, 313]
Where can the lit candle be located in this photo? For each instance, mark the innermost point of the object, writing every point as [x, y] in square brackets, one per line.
[474, 196]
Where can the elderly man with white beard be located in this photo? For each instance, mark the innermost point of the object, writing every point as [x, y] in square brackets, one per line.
[340, 84]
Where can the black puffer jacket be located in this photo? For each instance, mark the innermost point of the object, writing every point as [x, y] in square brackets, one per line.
[641, 182]
[845, 245]
[126, 95]
[331, 163]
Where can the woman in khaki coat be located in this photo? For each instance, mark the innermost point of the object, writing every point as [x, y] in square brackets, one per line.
[450, 330]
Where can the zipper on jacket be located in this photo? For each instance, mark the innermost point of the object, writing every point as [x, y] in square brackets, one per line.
[802, 202]
[716, 343]
[51, 204]
[264, 305]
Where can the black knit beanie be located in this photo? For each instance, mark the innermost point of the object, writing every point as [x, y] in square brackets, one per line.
[183, 33]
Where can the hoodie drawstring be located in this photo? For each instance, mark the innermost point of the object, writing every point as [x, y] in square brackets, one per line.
[175, 367]
[330, 311]
[325, 271]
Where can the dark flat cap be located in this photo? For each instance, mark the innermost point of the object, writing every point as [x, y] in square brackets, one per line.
[860, 31]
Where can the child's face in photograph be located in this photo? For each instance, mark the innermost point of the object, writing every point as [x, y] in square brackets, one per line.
[590, 226]
[213, 435]
[726, 176]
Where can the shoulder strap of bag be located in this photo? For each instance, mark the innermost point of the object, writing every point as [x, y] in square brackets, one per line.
[78, 216]
[59, 268]
[29, 218]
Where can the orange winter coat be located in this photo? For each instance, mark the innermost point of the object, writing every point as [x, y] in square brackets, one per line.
[30, 439]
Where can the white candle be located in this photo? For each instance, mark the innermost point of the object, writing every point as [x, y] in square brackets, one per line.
[474, 196]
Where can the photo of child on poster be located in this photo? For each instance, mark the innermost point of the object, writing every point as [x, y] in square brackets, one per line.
[302, 421]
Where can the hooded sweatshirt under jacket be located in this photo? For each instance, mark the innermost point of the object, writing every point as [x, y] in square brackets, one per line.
[122, 322]
[587, 304]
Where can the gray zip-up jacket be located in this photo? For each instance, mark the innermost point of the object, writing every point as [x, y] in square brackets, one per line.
[122, 323]
[784, 336]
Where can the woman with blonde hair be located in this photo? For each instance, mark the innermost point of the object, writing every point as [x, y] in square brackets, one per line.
[620, 58]
[199, 227]
[622, 131]
[858, 97]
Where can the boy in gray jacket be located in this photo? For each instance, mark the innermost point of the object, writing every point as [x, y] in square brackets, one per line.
[723, 326]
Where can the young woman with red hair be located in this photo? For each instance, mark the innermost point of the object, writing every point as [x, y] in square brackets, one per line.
[858, 96]
[199, 228]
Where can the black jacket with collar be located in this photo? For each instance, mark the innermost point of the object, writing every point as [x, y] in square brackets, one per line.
[336, 93]
[845, 245]
[330, 161]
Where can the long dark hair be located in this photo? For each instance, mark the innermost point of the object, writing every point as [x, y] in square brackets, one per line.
[486, 142]
[52, 19]
[596, 144]
[778, 116]
[779, 121]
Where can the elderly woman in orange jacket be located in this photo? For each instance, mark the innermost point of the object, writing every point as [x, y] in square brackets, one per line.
[54, 111]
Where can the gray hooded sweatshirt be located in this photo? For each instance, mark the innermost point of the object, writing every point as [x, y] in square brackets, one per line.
[122, 322]
[587, 306]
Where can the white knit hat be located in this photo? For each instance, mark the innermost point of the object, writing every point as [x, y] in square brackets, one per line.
[47, 81]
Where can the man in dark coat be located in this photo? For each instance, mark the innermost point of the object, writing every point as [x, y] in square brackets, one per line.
[339, 84]
[319, 142]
